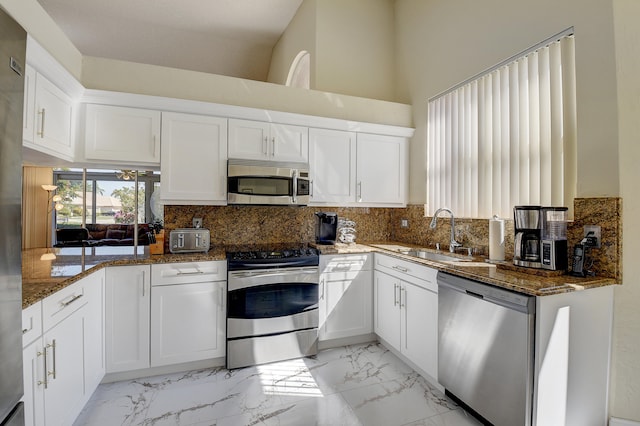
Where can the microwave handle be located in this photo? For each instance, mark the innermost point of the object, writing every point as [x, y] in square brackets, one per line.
[295, 186]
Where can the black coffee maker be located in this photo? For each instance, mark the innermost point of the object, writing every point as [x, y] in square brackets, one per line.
[326, 227]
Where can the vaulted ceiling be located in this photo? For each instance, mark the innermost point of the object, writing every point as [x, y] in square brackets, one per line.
[228, 37]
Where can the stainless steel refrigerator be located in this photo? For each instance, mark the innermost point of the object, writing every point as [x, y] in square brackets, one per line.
[13, 42]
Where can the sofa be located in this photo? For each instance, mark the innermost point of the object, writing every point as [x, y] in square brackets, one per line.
[99, 234]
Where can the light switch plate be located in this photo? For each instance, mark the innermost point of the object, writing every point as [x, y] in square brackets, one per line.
[404, 223]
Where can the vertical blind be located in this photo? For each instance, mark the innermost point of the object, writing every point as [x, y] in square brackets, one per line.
[506, 137]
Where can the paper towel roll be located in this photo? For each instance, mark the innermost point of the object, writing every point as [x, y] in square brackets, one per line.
[496, 238]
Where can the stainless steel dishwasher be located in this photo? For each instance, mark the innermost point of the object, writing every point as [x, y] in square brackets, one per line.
[485, 349]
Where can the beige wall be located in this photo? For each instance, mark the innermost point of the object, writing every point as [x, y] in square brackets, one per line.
[440, 43]
[300, 35]
[625, 384]
[355, 50]
[41, 27]
[351, 44]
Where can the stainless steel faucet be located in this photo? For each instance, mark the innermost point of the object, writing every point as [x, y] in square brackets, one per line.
[453, 243]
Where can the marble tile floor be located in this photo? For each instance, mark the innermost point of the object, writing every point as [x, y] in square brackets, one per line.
[354, 385]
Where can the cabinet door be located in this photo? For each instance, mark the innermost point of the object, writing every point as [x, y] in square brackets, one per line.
[188, 322]
[33, 377]
[194, 158]
[63, 398]
[381, 168]
[386, 295]
[53, 109]
[332, 165]
[289, 143]
[248, 139]
[420, 327]
[346, 301]
[128, 304]
[94, 356]
[126, 135]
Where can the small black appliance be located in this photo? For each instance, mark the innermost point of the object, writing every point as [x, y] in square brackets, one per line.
[326, 227]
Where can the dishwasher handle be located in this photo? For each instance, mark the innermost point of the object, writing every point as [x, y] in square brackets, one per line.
[489, 293]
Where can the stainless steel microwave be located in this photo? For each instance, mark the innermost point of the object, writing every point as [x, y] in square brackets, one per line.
[267, 183]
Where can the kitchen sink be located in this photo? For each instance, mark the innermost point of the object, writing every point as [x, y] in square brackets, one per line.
[429, 255]
[421, 253]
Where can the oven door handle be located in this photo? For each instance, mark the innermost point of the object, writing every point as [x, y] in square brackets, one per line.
[249, 274]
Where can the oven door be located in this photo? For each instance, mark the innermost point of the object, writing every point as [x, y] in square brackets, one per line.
[271, 301]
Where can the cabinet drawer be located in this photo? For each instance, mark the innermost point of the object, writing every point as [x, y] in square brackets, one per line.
[346, 263]
[414, 273]
[188, 272]
[60, 305]
[31, 323]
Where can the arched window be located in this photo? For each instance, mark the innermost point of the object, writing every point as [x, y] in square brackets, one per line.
[299, 71]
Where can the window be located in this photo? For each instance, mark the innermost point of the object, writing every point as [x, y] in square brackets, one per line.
[506, 137]
[299, 73]
[110, 197]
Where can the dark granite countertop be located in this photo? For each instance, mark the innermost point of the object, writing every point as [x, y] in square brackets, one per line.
[529, 281]
[45, 271]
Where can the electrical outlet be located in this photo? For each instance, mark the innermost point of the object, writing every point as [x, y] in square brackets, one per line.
[197, 222]
[596, 233]
[404, 223]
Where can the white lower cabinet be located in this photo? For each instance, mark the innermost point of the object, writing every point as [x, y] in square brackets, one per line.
[346, 296]
[406, 310]
[188, 312]
[62, 366]
[128, 305]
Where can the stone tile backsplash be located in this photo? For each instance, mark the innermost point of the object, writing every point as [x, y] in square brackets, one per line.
[249, 225]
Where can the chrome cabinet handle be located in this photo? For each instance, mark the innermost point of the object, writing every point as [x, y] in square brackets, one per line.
[322, 289]
[70, 301]
[144, 285]
[395, 294]
[44, 382]
[273, 146]
[52, 345]
[359, 192]
[42, 115]
[402, 304]
[155, 146]
[400, 268]
[265, 146]
[311, 188]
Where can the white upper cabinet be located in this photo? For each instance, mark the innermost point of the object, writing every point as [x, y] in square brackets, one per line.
[194, 159]
[382, 172]
[257, 140]
[48, 117]
[332, 165]
[122, 135]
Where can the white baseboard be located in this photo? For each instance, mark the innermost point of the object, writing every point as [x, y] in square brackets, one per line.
[622, 422]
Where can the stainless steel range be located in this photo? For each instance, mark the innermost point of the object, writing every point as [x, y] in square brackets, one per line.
[272, 306]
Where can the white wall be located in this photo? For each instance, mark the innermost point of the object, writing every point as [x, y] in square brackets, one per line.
[442, 42]
[625, 385]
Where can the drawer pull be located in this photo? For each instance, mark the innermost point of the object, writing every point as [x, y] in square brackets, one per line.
[400, 268]
[70, 301]
[198, 272]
